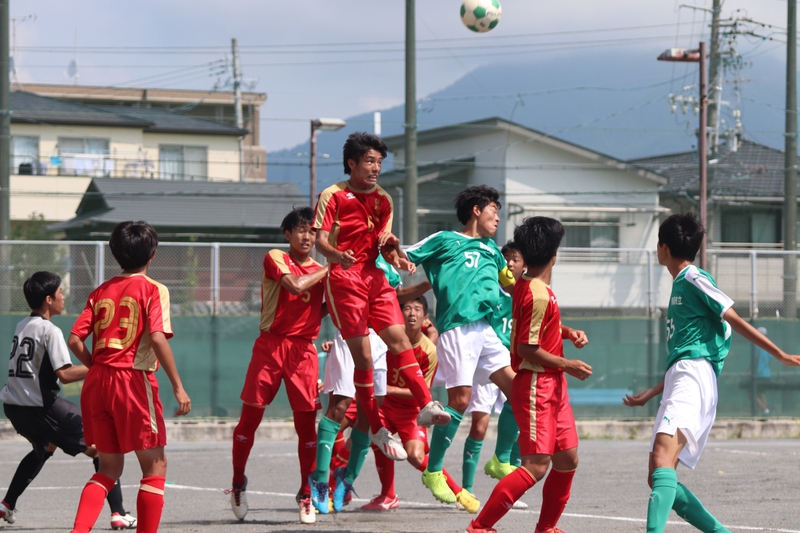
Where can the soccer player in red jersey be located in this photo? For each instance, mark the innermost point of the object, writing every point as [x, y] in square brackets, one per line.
[128, 317]
[291, 312]
[353, 221]
[539, 391]
[399, 413]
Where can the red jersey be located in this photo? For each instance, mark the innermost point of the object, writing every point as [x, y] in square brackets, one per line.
[425, 352]
[354, 218]
[122, 313]
[284, 313]
[537, 320]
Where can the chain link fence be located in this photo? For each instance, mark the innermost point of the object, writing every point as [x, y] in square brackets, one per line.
[618, 296]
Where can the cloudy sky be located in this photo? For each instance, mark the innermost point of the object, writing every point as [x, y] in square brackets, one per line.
[335, 58]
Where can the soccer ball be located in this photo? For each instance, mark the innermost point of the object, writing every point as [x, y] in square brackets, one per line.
[481, 15]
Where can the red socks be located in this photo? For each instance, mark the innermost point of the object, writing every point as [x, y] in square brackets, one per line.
[150, 504]
[341, 453]
[555, 495]
[409, 368]
[243, 437]
[385, 467]
[92, 500]
[365, 392]
[305, 423]
[505, 493]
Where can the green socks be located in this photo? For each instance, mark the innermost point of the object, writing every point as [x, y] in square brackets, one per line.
[326, 437]
[359, 446]
[472, 453]
[507, 433]
[441, 439]
[665, 484]
[690, 509]
[516, 457]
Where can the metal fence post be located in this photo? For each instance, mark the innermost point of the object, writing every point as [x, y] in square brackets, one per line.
[99, 263]
[651, 326]
[215, 278]
[214, 362]
[753, 287]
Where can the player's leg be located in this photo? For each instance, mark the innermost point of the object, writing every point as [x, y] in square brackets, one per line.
[556, 490]
[96, 491]
[120, 519]
[26, 472]
[150, 499]
[479, 410]
[327, 430]
[692, 510]
[494, 364]
[663, 479]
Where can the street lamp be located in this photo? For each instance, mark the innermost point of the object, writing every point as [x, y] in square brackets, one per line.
[697, 56]
[324, 124]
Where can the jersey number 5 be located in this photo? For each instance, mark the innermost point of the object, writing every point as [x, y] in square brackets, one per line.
[24, 352]
[129, 324]
[472, 259]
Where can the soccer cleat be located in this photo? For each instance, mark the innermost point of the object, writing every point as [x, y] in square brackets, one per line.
[343, 489]
[550, 530]
[472, 528]
[390, 445]
[519, 504]
[382, 503]
[126, 521]
[433, 414]
[496, 469]
[437, 483]
[239, 500]
[307, 512]
[319, 494]
[466, 500]
[7, 513]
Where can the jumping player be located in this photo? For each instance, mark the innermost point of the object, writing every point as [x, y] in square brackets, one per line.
[463, 268]
[699, 320]
[353, 221]
[539, 392]
[39, 360]
[399, 413]
[128, 317]
[291, 313]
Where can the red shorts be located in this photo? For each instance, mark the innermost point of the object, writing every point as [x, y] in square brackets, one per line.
[121, 410]
[292, 359]
[551, 428]
[359, 298]
[401, 418]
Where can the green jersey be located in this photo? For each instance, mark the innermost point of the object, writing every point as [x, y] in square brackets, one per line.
[392, 275]
[695, 327]
[501, 318]
[464, 273]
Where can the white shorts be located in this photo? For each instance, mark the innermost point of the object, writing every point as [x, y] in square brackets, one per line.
[688, 404]
[470, 354]
[339, 367]
[485, 398]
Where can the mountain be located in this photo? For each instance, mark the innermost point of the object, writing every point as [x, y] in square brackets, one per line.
[616, 104]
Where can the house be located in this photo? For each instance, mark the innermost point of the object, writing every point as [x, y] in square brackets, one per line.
[58, 146]
[745, 192]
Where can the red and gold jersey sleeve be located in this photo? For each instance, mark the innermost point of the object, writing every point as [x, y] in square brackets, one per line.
[328, 206]
[537, 321]
[384, 206]
[428, 362]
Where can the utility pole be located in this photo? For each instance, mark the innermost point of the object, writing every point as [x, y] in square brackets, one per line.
[410, 227]
[5, 161]
[790, 165]
[237, 103]
[714, 82]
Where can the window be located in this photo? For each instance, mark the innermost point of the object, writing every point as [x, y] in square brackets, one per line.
[25, 156]
[751, 226]
[183, 162]
[84, 156]
[591, 234]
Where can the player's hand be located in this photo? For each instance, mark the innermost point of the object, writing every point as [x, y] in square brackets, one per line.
[405, 264]
[326, 346]
[320, 386]
[637, 400]
[346, 259]
[389, 238]
[578, 369]
[790, 360]
[184, 402]
[578, 338]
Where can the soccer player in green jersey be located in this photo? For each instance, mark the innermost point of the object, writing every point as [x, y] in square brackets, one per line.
[466, 270]
[699, 322]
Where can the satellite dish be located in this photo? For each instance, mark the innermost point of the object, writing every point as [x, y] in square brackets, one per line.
[72, 69]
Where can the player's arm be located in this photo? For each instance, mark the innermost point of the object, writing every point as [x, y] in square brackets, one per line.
[643, 397]
[536, 354]
[78, 348]
[394, 255]
[432, 333]
[71, 373]
[299, 284]
[743, 328]
[406, 294]
[399, 392]
[345, 258]
[164, 355]
[576, 336]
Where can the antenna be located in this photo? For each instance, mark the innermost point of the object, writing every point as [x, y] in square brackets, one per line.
[72, 68]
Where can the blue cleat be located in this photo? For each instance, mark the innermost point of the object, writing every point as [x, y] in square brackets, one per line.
[319, 494]
[343, 489]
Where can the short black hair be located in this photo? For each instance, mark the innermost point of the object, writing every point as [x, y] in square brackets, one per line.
[358, 144]
[39, 286]
[133, 243]
[683, 234]
[480, 195]
[420, 299]
[538, 239]
[508, 247]
[296, 217]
